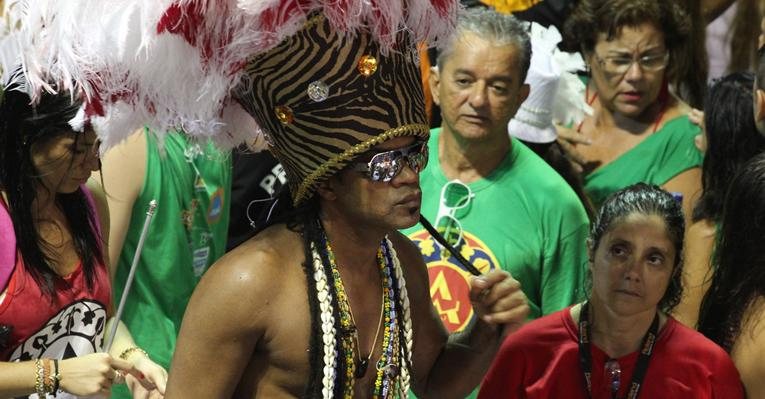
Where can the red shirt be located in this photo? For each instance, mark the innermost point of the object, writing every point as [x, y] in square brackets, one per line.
[69, 324]
[541, 360]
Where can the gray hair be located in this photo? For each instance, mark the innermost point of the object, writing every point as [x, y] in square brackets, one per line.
[501, 29]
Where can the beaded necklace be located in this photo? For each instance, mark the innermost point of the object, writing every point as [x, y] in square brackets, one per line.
[339, 352]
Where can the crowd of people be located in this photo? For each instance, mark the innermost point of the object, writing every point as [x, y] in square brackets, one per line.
[421, 225]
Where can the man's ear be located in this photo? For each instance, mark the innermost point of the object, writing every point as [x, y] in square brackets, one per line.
[434, 79]
[523, 93]
[326, 189]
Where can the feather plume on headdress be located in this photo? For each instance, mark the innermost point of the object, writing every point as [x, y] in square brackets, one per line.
[173, 64]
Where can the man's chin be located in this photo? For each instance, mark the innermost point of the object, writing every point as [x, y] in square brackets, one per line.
[408, 220]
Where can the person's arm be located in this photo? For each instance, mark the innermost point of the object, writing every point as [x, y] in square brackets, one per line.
[123, 169]
[87, 375]
[154, 376]
[687, 183]
[224, 321]
[749, 350]
[451, 366]
[150, 379]
[697, 271]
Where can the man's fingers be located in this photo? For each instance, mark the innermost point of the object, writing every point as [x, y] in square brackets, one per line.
[515, 314]
[126, 367]
[481, 286]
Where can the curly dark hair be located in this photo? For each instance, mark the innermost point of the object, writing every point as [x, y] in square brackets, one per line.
[593, 17]
[647, 200]
[739, 261]
[732, 140]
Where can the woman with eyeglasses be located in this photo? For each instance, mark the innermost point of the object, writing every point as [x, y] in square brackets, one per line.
[55, 291]
[639, 130]
[733, 308]
[620, 342]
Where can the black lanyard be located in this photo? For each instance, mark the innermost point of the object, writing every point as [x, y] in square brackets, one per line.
[585, 356]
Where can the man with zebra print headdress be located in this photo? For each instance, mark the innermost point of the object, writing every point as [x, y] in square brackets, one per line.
[330, 300]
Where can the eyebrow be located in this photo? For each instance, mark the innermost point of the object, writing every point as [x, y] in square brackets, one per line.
[628, 52]
[494, 78]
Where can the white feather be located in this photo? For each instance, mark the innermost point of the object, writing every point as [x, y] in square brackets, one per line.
[111, 51]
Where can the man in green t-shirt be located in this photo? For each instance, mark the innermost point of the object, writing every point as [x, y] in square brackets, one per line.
[498, 203]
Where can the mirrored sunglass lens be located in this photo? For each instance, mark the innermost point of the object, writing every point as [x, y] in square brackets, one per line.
[394, 168]
[417, 162]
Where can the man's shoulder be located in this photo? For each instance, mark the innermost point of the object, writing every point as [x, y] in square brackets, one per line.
[268, 256]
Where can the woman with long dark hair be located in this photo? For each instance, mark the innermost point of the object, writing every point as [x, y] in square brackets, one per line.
[729, 141]
[734, 306]
[54, 284]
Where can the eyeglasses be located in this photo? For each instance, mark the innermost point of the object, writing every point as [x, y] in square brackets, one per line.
[621, 64]
[455, 195]
[384, 166]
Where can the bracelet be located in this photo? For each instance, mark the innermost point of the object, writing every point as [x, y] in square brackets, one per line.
[127, 352]
[56, 377]
[47, 378]
[40, 387]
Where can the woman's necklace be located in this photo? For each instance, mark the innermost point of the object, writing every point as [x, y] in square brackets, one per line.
[612, 365]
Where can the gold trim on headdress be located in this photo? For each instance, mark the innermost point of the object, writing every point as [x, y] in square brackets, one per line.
[340, 161]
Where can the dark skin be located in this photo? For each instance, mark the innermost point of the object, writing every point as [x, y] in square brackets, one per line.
[246, 332]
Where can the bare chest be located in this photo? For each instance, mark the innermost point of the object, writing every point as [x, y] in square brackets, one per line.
[288, 356]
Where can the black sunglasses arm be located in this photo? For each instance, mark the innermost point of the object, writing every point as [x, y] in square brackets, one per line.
[441, 240]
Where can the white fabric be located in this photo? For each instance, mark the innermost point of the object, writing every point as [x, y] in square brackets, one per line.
[556, 93]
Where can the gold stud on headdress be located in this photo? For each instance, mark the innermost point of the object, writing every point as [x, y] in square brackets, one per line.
[367, 65]
[284, 114]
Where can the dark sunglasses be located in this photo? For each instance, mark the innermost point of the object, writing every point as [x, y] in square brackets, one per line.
[384, 166]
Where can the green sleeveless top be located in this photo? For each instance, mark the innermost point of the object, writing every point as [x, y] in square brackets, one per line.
[191, 184]
[656, 160]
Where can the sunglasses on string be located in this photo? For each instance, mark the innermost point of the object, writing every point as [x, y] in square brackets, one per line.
[455, 195]
[384, 166]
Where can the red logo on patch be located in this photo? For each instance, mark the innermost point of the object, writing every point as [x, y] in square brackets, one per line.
[449, 283]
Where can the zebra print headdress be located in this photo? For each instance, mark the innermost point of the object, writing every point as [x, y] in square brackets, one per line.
[323, 98]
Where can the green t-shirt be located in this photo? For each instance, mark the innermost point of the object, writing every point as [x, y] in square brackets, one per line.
[523, 218]
[191, 184]
[656, 160]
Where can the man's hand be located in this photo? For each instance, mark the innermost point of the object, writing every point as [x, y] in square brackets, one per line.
[497, 299]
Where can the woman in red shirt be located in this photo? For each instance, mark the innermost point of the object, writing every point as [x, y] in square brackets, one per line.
[54, 286]
[620, 342]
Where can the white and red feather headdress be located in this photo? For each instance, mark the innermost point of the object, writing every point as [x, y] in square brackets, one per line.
[173, 63]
